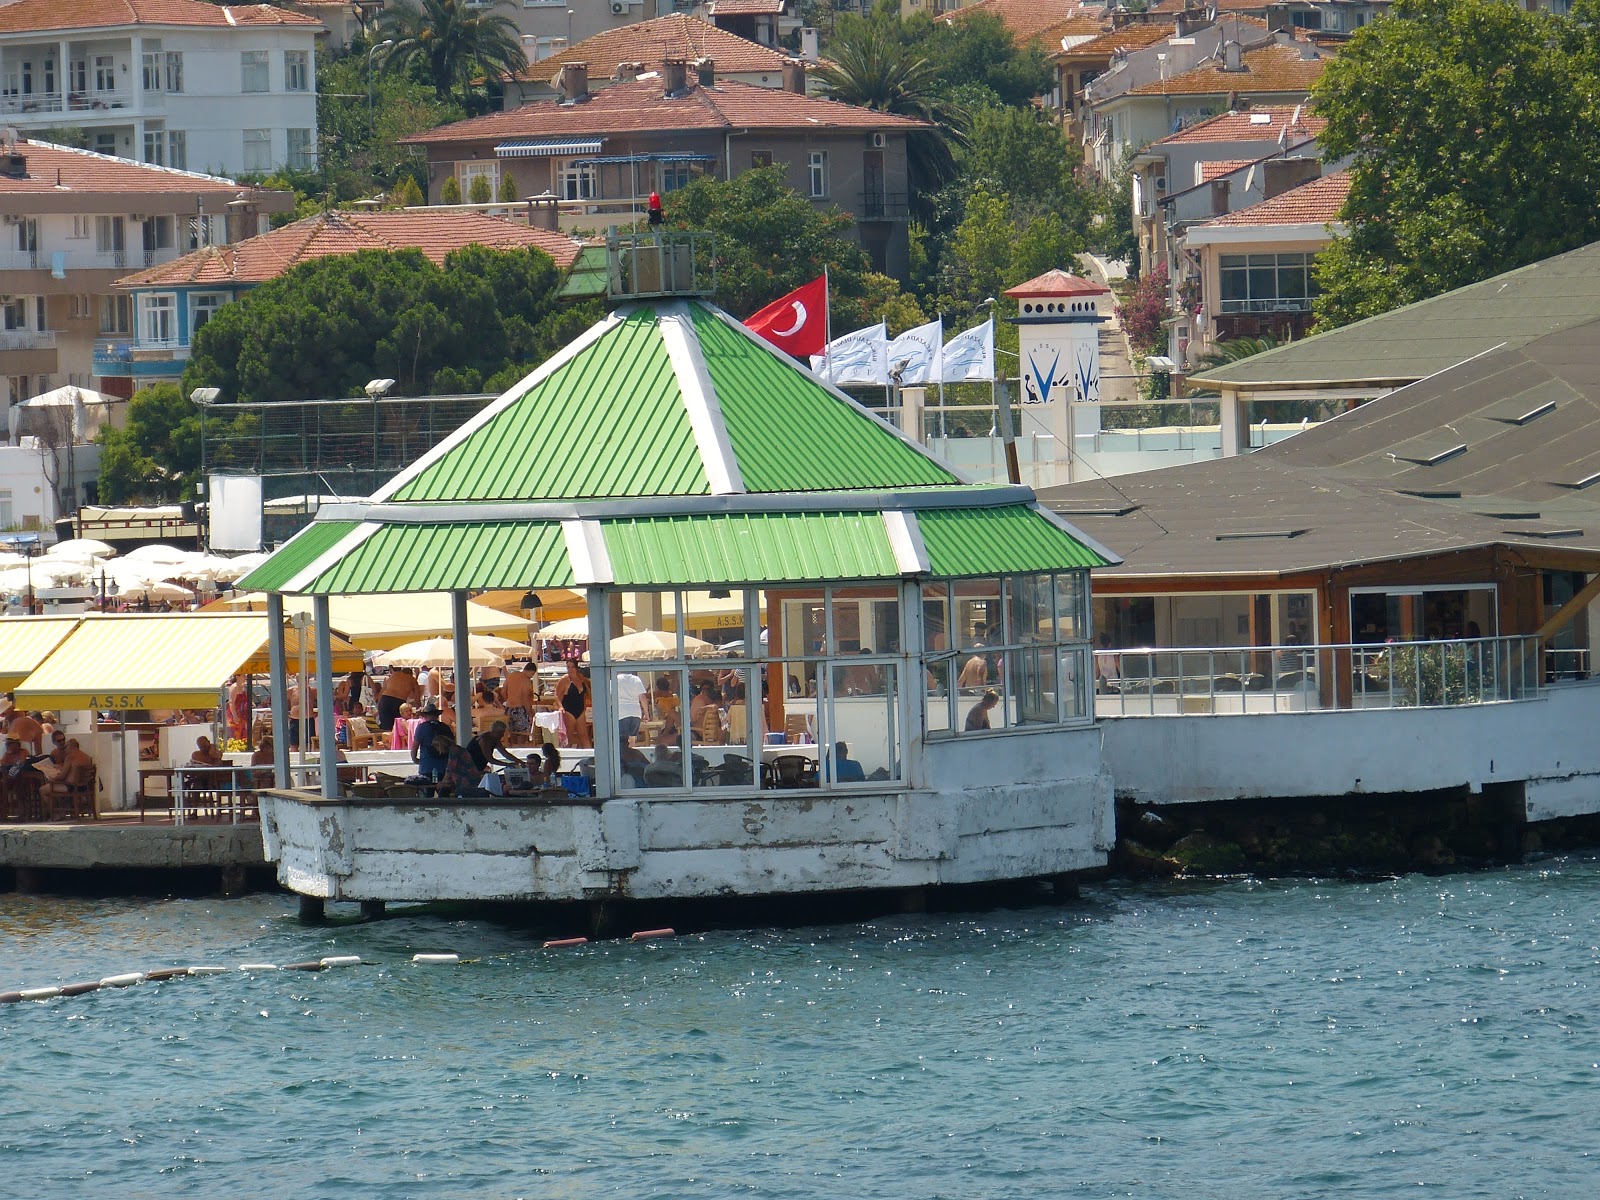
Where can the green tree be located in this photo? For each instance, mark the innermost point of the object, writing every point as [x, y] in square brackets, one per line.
[1473, 135]
[155, 456]
[450, 191]
[449, 42]
[978, 61]
[407, 194]
[479, 192]
[508, 189]
[997, 245]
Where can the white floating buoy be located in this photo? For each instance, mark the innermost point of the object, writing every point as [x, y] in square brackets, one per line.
[448, 960]
[49, 993]
[258, 966]
[208, 970]
[342, 960]
[125, 980]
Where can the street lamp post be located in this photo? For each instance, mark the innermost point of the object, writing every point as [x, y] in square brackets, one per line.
[383, 45]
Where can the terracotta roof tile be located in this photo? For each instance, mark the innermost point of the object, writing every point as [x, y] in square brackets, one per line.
[258, 259]
[61, 171]
[1269, 69]
[1057, 282]
[1072, 27]
[1216, 170]
[1244, 125]
[1132, 37]
[1314, 203]
[26, 16]
[640, 107]
[652, 43]
[1027, 19]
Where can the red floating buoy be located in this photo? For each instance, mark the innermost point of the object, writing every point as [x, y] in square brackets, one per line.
[558, 943]
[646, 934]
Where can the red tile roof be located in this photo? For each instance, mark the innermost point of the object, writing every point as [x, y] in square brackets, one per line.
[652, 43]
[1245, 125]
[1271, 69]
[1314, 203]
[258, 259]
[640, 107]
[1027, 19]
[1073, 27]
[27, 16]
[61, 171]
[1132, 37]
[1056, 283]
[1216, 170]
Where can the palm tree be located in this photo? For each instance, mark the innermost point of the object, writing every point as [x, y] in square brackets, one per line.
[451, 41]
[873, 69]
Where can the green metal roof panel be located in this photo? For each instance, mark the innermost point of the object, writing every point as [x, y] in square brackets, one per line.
[611, 422]
[1430, 335]
[295, 555]
[586, 280]
[748, 548]
[999, 541]
[451, 557]
[790, 434]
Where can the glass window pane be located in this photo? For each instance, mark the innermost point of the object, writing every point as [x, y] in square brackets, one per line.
[865, 735]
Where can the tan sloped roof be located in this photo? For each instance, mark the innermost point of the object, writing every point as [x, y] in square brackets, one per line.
[1269, 69]
[1132, 37]
[1026, 19]
[1314, 203]
[268, 256]
[63, 171]
[676, 36]
[1258, 123]
[26, 16]
[641, 107]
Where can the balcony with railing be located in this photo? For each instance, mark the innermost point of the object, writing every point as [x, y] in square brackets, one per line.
[1224, 680]
[28, 352]
[140, 358]
[883, 206]
[59, 262]
[27, 339]
[46, 104]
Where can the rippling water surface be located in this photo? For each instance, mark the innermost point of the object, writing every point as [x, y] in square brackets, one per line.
[1238, 1040]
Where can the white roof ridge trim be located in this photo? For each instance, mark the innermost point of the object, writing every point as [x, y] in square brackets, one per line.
[676, 326]
[905, 539]
[876, 500]
[512, 396]
[330, 556]
[587, 553]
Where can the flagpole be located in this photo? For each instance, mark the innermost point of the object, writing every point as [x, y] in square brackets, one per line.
[942, 434]
[827, 326]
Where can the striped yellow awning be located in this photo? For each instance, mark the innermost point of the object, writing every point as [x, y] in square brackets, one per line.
[25, 642]
[113, 663]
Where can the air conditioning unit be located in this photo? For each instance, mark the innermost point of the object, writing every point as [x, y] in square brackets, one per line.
[618, 7]
[879, 141]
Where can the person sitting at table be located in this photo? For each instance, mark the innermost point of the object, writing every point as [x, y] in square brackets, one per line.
[405, 724]
[551, 766]
[459, 775]
[75, 770]
[206, 754]
[633, 764]
[664, 701]
[845, 768]
[262, 757]
[15, 758]
[978, 718]
[26, 729]
[488, 749]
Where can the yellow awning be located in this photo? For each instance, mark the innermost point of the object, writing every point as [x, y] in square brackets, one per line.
[25, 642]
[390, 620]
[149, 660]
[557, 603]
[346, 656]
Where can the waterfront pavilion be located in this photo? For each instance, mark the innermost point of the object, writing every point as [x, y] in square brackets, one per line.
[668, 451]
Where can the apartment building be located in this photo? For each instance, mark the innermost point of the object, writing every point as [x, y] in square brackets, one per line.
[180, 83]
[71, 222]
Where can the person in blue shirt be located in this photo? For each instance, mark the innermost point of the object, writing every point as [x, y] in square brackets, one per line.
[845, 768]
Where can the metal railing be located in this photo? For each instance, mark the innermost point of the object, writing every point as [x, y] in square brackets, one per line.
[883, 206]
[27, 339]
[1175, 681]
[45, 103]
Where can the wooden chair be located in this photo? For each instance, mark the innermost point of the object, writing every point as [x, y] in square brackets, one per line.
[738, 723]
[70, 801]
[360, 733]
[795, 728]
[711, 732]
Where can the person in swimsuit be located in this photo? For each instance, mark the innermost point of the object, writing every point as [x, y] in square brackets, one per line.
[574, 696]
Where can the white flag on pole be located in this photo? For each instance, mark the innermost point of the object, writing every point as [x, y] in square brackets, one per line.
[915, 356]
[859, 357]
[970, 355]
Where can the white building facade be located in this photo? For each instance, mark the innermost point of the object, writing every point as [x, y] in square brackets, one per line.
[186, 84]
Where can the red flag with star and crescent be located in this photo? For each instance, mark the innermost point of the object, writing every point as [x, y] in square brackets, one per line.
[797, 323]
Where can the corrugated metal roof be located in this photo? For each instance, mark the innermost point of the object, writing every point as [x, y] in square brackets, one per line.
[25, 642]
[790, 434]
[609, 423]
[749, 548]
[149, 660]
[999, 541]
[443, 558]
[295, 555]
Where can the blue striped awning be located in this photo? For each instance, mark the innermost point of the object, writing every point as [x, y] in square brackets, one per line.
[545, 147]
[664, 157]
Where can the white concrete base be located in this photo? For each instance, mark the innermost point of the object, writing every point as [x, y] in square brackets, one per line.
[1548, 744]
[1006, 806]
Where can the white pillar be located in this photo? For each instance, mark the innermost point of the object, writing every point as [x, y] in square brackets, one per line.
[606, 780]
[136, 80]
[278, 690]
[63, 74]
[462, 666]
[913, 681]
[328, 750]
[1235, 431]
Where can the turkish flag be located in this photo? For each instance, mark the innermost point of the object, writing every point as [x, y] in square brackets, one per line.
[797, 324]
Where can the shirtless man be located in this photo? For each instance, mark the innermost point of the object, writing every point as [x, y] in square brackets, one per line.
[399, 688]
[26, 730]
[75, 771]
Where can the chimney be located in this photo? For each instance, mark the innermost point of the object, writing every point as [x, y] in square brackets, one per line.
[1308, 51]
[627, 72]
[1191, 20]
[674, 74]
[705, 70]
[1282, 174]
[810, 44]
[1232, 56]
[13, 165]
[794, 76]
[574, 80]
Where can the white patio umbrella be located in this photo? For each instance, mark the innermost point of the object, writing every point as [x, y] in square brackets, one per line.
[81, 548]
[657, 644]
[572, 627]
[237, 568]
[483, 650]
[132, 589]
[49, 572]
[167, 555]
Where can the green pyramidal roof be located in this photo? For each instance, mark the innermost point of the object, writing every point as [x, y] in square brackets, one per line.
[668, 400]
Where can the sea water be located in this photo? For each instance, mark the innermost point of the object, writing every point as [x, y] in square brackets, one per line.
[1430, 1035]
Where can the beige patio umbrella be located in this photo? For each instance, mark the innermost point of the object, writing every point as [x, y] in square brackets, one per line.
[573, 627]
[657, 644]
[81, 548]
[482, 651]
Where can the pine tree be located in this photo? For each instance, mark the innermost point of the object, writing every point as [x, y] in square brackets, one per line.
[450, 193]
[508, 189]
[479, 192]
